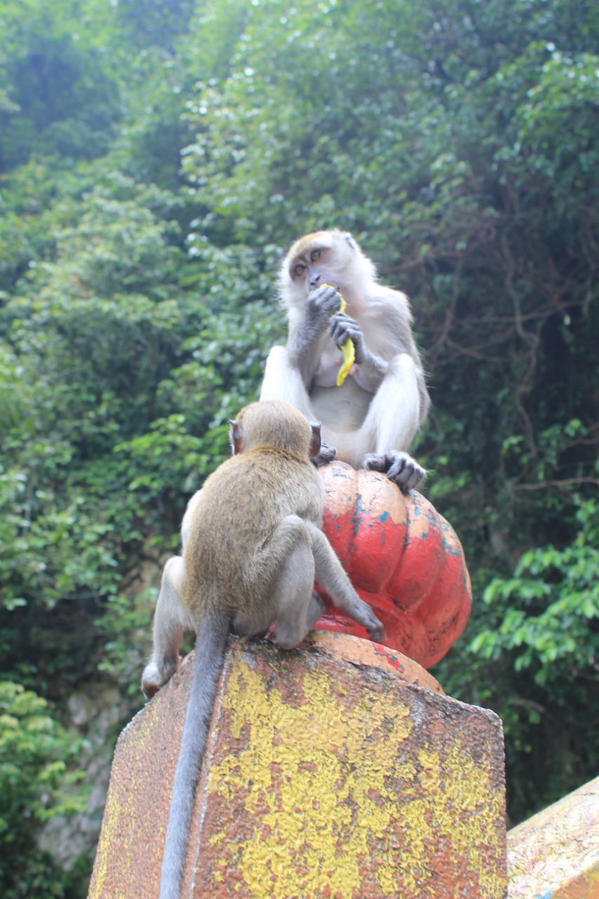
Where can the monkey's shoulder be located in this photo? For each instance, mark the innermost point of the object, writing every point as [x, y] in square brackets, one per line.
[245, 500]
[386, 301]
[390, 308]
[263, 471]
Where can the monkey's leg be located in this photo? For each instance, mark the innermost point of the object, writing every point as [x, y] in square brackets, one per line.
[293, 594]
[392, 421]
[332, 577]
[394, 413]
[170, 620]
[286, 564]
[188, 516]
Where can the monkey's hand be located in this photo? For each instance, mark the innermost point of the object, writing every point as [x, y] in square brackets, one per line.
[323, 303]
[325, 455]
[344, 328]
[399, 467]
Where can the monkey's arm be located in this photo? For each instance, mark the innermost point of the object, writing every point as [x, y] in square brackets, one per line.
[170, 621]
[305, 333]
[331, 576]
[381, 334]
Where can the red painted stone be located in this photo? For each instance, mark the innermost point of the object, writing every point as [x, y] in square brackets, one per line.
[403, 558]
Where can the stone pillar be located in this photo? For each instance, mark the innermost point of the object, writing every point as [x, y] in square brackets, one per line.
[336, 770]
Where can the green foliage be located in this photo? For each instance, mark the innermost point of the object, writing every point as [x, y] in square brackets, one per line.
[153, 22]
[532, 653]
[54, 555]
[61, 96]
[30, 786]
[34, 754]
[124, 627]
[543, 614]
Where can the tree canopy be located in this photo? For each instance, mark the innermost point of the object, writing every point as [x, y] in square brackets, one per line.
[156, 159]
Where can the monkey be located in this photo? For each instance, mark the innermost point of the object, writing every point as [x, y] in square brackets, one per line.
[373, 417]
[252, 548]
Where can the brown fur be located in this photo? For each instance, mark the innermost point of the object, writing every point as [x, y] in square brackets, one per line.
[241, 505]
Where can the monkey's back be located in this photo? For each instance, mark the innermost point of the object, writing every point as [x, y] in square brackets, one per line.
[240, 506]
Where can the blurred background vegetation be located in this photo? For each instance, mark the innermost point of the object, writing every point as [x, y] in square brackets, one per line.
[156, 159]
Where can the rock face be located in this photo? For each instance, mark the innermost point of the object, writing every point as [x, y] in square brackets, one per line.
[96, 713]
[340, 768]
[97, 710]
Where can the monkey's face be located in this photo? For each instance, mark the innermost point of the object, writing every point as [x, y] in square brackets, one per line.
[324, 257]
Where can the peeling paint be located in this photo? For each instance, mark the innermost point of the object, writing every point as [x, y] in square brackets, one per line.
[403, 558]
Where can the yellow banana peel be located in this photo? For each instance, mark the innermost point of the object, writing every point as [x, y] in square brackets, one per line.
[349, 353]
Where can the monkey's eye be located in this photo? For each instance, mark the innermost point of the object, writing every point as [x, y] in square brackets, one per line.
[314, 255]
[299, 269]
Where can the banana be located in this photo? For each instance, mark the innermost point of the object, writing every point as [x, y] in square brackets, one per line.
[348, 350]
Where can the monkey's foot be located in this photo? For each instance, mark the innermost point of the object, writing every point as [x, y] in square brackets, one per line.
[372, 624]
[325, 455]
[152, 679]
[399, 467]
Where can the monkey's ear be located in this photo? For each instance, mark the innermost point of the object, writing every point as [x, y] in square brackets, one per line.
[350, 240]
[315, 439]
[236, 437]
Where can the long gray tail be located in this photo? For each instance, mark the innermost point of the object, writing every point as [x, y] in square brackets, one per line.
[207, 664]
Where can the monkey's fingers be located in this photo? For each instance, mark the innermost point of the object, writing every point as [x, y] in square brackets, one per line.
[399, 467]
[342, 303]
[325, 455]
[324, 301]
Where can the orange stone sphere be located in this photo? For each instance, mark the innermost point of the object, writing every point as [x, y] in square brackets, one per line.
[404, 559]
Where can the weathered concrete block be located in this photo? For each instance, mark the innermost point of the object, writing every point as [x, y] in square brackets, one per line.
[327, 774]
[555, 854]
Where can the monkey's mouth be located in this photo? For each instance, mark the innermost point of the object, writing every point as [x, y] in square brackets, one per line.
[326, 283]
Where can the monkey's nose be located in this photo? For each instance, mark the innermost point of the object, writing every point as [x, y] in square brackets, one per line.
[314, 280]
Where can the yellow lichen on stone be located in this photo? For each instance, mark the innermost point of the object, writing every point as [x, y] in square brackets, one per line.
[321, 777]
[110, 820]
[456, 786]
[310, 822]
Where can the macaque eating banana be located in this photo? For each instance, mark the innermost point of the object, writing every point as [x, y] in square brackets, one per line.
[370, 409]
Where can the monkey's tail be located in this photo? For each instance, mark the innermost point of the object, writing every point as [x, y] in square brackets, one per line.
[207, 664]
